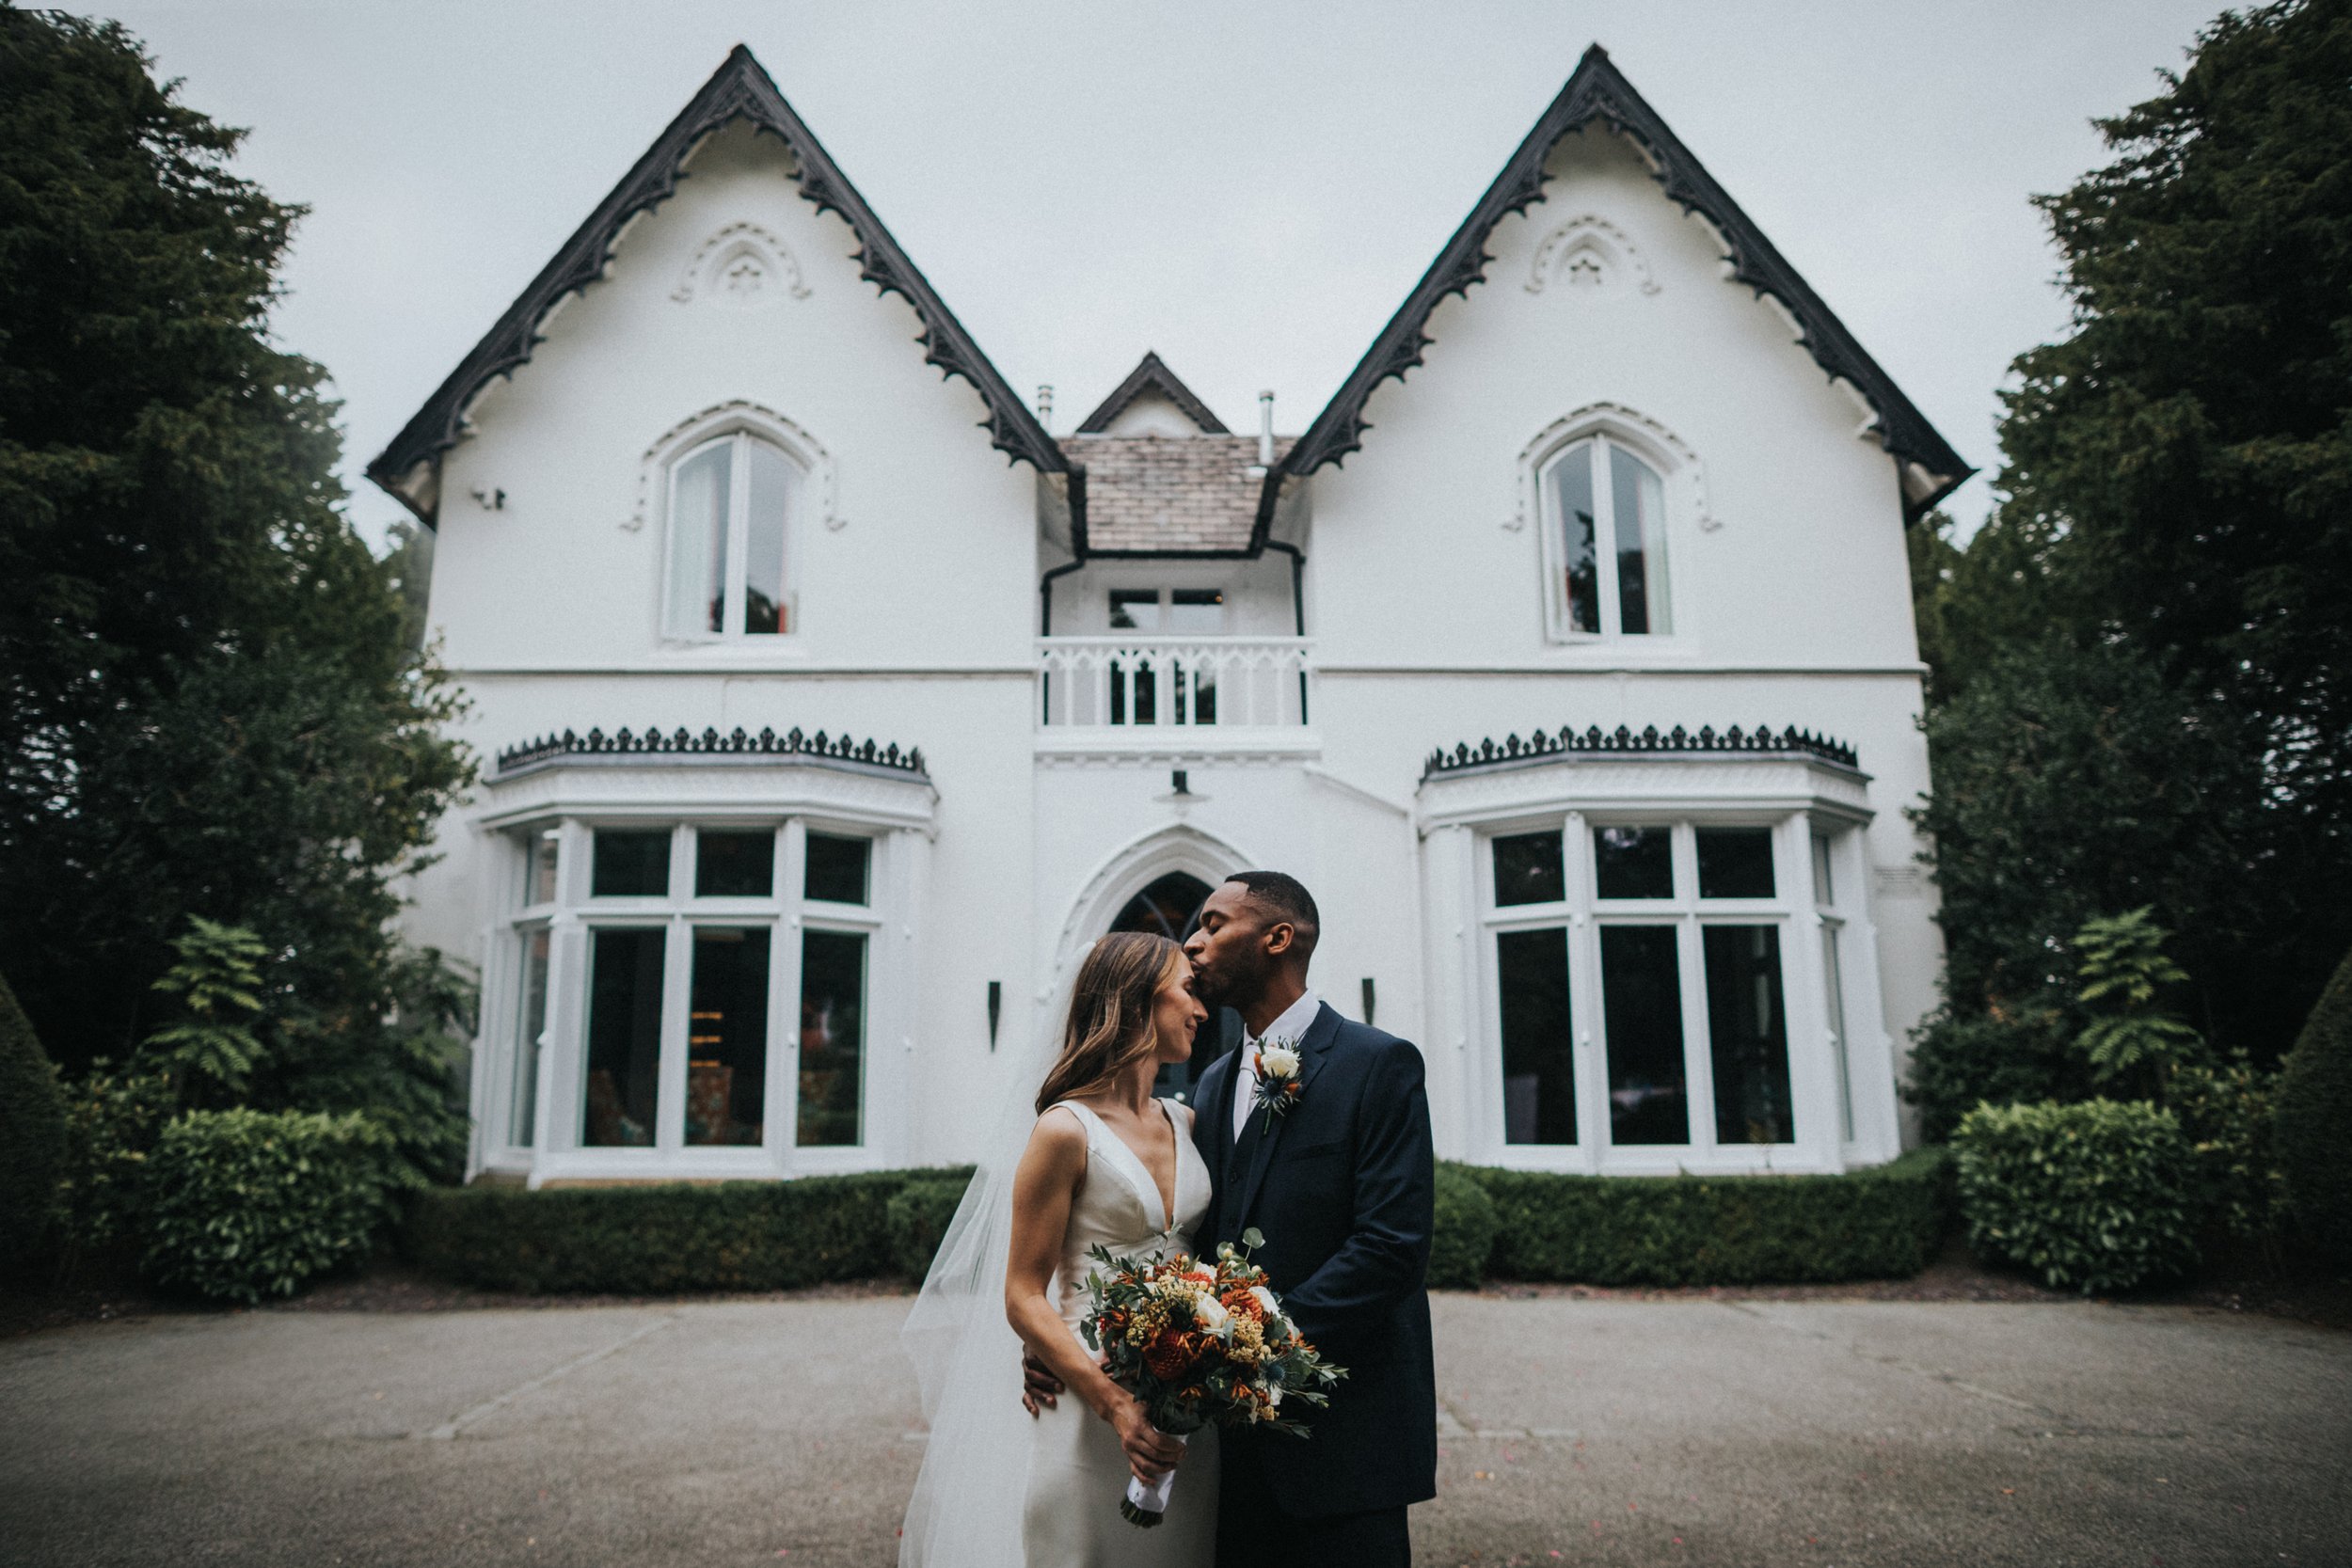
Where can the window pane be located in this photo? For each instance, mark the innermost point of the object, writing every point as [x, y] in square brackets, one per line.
[1538, 1053]
[1134, 609]
[1749, 1035]
[530, 1024]
[833, 1037]
[630, 864]
[624, 1038]
[837, 868]
[1572, 480]
[1633, 863]
[726, 1036]
[774, 485]
[735, 865]
[1196, 611]
[698, 540]
[1824, 885]
[1528, 869]
[1640, 998]
[1735, 862]
[1638, 497]
[1833, 984]
[539, 868]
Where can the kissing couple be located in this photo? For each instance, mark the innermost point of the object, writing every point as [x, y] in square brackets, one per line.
[1314, 1137]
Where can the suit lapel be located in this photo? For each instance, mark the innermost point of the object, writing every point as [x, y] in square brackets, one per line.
[1261, 1143]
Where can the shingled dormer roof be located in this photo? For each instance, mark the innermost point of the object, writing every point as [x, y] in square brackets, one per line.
[1926, 466]
[409, 467]
[1149, 378]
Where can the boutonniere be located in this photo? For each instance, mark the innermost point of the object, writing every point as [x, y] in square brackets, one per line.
[1278, 1079]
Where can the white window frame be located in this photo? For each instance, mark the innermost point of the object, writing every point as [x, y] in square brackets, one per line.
[738, 437]
[1684, 511]
[557, 1150]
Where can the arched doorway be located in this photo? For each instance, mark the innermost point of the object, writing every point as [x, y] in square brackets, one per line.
[1169, 907]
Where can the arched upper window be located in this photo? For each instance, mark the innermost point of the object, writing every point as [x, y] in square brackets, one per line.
[732, 501]
[1605, 509]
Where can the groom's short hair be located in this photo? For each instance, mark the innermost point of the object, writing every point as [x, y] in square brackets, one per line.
[1286, 898]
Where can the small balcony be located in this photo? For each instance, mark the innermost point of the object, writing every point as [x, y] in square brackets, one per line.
[1152, 688]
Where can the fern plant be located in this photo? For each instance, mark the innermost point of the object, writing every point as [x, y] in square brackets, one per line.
[218, 982]
[2124, 969]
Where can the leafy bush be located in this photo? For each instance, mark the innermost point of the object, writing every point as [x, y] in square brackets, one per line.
[919, 1212]
[32, 1136]
[2227, 1114]
[1464, 1233]
[2095, 1196]
[2314, 1112]
[246, 1204]
[112, 1123]
[1880, 1223]
[663, 1237]
[1962, 1060]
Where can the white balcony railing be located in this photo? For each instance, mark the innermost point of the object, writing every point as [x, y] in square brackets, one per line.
[1158, 682]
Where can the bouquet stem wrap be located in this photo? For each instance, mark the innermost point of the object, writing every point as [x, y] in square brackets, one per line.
[1146, 1506]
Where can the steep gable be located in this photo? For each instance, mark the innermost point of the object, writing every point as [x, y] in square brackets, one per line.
[1150, 382]
[409, 466]
[1927, 467]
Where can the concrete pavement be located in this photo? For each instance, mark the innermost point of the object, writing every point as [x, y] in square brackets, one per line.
[1676, 1431]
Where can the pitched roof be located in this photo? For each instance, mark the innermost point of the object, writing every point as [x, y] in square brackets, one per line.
[1151, 376]
[1927, 467]
[740, 89]
[1168, 495]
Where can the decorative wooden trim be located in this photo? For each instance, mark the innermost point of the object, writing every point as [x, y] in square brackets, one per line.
[710, 743]
[409, 467]
[1764, 740]
[1928, 469]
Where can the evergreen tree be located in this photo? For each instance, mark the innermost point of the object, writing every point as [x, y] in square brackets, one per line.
[2141, 687]
[209, 702]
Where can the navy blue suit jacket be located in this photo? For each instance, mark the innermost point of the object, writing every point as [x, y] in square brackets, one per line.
[1341, 1189]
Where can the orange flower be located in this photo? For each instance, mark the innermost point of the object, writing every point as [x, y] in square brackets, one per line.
[1168, 1356]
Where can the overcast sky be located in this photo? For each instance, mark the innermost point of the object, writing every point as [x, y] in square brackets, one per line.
[1248, 188]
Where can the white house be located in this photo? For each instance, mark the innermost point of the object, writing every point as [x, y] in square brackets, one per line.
[834, 704]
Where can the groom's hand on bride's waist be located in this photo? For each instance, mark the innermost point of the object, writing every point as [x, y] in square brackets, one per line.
[1040, 1387]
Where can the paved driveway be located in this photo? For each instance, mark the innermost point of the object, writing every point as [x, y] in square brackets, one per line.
[1679, 1432]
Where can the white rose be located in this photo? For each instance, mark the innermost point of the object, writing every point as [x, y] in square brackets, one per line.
[1278, 1061]
[1266, 1299]
[1210, 1314]
[1274, 1396]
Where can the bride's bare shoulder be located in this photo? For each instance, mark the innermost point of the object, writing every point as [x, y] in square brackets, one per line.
[1059, 1131]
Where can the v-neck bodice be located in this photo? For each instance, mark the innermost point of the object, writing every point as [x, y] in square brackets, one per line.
[1118, 1205]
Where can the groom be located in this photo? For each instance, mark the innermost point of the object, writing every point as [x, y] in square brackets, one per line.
[1339, 1184]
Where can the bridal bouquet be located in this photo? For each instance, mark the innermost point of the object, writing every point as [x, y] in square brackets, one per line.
[1200, 1343]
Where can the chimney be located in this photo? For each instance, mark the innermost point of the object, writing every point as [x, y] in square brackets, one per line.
[1046, 404]
[1265, 430]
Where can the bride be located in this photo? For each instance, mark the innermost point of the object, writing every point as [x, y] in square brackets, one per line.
[1103, 1163]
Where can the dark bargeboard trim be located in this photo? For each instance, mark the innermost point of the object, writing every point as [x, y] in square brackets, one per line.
[740, 90]
[710, 743]
[1151, 374]
[1597, 90]
[1569, 742]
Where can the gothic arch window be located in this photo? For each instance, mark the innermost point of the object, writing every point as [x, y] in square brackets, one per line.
[1605, 509]
[733, 499]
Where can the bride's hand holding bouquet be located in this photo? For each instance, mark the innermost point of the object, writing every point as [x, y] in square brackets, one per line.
[1199, 1343]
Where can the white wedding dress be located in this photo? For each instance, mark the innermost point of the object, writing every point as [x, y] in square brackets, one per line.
[1077, 1472]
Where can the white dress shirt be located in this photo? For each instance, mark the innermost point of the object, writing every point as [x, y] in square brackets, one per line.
[1290, 1025]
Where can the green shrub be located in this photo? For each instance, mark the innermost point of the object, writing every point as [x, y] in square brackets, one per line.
[1463, 1233]
[1880, 1223]
[111, 1125]
[2227, 1114]
[919, 1212]
[2094, 1197]
[244, 1204]
[659, 1239]
[32, 1137]
[1961, 1060]
[2314, 1149]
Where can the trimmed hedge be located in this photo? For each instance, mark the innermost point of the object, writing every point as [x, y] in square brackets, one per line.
[919, 1213]
[1462, 1234]
[32, 1137]
[665, 1238]
[244, 1204]
[2101, 1195]
[2315, 1109]
[1876, 1223]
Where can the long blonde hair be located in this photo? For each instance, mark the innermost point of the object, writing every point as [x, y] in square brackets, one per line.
[1110, 1028]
